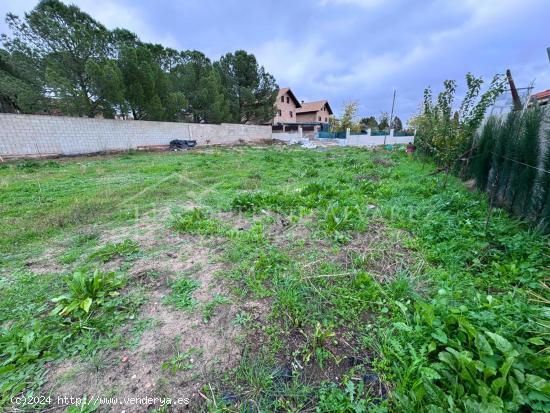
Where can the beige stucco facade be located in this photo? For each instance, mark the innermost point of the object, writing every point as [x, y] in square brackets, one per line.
[322, 115]
[286, 107]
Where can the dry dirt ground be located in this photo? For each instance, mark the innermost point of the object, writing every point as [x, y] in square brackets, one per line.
[181, 351]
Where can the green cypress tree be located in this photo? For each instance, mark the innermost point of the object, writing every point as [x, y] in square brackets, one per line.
[481, 164]
[505, 154]
[527, 157]
[543, 185]
[497, 160]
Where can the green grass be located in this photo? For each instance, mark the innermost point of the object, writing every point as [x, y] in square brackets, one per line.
[461, 324]
[181, 296]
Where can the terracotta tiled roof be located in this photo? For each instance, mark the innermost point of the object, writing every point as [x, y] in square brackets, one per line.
[284, 90]
[314, 106]
[541, 95]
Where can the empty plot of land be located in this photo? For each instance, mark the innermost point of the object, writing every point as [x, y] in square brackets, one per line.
[256, 279]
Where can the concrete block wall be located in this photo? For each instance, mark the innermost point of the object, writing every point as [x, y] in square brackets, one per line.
[37, 134]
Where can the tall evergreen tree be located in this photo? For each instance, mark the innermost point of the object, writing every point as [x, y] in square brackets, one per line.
[21, 83]
[397, 125]
[201, 85]
[251, 91]
[542, 200]
[73, 47]
[143, 83]
[211, 103]
[481, 163]
[383, 122]
[503, 155]
[369, 122]
[526, 162]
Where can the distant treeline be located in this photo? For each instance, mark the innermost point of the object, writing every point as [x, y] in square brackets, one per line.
[60, 60]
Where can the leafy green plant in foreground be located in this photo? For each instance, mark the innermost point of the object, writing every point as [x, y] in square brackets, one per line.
[37, 336]
[340, 218]
[86, 290]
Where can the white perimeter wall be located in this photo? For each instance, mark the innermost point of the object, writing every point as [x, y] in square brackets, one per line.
[37, 134]
[366, 140]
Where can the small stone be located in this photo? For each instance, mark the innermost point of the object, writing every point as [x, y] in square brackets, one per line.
[134, 376]
[124, 359]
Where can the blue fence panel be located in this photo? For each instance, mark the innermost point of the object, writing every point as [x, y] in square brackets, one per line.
[379, 133]
[331, 135]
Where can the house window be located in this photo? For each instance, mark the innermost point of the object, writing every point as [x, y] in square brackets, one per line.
[283, 99]
[287, 99]
[319, 119]
[326, 120]
[290, 113]
[279, 112]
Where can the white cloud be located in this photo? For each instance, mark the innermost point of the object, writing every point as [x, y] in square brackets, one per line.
[116, 14]
[297, 62]
[17, 7]
[110, 13]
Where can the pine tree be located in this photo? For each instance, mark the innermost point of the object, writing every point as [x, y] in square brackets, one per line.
[66, 40]
[397, 125]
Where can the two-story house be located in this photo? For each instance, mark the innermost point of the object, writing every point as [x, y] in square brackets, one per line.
[319, 111]
[287, 105]
[291, 113]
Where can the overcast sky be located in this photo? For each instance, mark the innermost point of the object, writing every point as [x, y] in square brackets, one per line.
[344, 50]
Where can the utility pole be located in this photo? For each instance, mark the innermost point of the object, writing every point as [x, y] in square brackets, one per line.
[515, 96]
[391, 116]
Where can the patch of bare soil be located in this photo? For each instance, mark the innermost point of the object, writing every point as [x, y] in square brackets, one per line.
[378, 250]
[384, 162]
[373, 178]
[45, 264]
[283, 232]
[182, 352]
[340, 359]
[237, 221]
